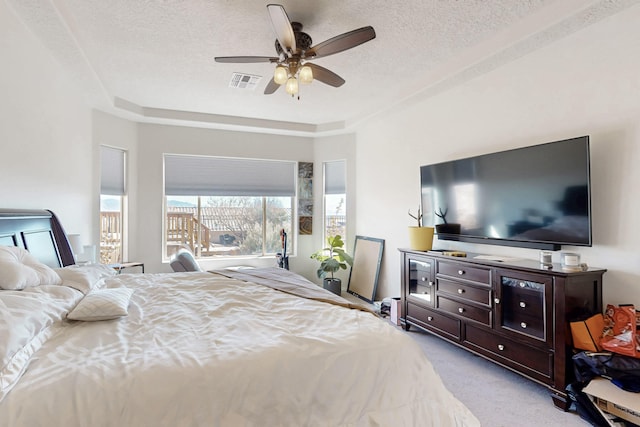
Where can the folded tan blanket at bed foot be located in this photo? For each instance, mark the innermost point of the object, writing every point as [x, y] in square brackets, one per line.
[291, 283]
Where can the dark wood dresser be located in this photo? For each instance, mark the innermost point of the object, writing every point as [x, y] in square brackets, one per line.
[514, 313]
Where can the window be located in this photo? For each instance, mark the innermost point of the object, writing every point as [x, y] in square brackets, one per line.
[112, 201]
[335, 199]
[221, 207]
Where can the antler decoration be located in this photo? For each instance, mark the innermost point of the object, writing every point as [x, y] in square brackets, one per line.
[442, 215]
[417, 217]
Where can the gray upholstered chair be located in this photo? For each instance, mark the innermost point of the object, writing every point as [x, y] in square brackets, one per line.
[183, 260]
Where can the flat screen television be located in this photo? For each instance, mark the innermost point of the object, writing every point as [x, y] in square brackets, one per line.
[533, 197]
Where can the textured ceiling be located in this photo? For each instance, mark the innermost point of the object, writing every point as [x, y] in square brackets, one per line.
[153, 60]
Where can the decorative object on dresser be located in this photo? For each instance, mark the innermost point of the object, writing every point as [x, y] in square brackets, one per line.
[420, 238]
[510, 311]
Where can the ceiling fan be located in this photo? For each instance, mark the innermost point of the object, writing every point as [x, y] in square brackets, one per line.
[294, 50]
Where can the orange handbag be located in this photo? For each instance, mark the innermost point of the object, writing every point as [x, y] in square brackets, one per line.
[587, 334]
[621, 330]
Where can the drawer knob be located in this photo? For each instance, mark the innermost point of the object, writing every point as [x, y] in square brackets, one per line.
[424, 279]
[461, 291]
[460, 310]
[523, 304]
[523, 325]
[496, 300]
[430, 283]
[461, 272]
[430, 318]
[500, 347]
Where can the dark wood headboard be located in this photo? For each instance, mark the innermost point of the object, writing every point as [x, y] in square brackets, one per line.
[39, 232]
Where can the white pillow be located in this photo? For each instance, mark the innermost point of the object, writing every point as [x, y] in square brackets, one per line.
[19, 269]
[85, 277]
[102, 304]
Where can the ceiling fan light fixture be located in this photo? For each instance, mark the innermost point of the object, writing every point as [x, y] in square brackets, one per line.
[292, 86]
[306, 75]
[280, 75]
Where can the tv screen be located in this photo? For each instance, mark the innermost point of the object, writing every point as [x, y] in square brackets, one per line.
[535, 197]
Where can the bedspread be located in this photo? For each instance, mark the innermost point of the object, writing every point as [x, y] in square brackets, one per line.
[197, 349]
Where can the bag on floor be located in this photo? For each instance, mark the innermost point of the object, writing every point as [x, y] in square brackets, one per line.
[587, 334]
[584, 407]
[620, 330]
[623, 371]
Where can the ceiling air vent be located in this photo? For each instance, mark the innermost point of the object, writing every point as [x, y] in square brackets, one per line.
[244, 81]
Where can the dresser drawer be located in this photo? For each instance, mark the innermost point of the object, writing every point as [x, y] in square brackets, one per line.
[525, 315]
[434, 320]
[532, 361]
[421, 277]
[532, 326]
[471, 293]
[519, 300]
[466, 272]
[465, 310]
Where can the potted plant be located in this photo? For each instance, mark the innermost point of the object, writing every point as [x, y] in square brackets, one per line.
[420, 238]
[332, 258]
[446, 227]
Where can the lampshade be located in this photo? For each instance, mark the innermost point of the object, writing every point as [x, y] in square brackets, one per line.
[292, 86]
[76, 243]
[306, 74]
[280, 75]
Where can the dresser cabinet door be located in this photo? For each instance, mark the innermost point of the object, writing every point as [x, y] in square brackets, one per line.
[524, 306]
[420, 285]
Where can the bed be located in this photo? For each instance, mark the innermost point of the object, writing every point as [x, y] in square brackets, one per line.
[88, 347]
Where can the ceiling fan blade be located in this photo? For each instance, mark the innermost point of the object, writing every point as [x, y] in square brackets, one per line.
[271, 87]
[326, 76]
[245, 59]
[282, 27]
[342, 42]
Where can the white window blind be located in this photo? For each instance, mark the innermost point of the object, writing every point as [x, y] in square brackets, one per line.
[334, 177]
[112, 171]
[223, 176]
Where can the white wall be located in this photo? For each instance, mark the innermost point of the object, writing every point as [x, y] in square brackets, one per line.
[45, 133]
[155, 140]
[585, 84]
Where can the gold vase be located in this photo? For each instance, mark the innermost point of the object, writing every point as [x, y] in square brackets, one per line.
[421, 238]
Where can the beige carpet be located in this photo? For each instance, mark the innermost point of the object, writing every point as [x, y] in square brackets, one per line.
[497, 396]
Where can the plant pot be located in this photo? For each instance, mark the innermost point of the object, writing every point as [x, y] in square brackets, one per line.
[333, 285]
[421, 238]
[448, 228]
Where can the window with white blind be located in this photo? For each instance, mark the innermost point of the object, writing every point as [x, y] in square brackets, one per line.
[222, 207]
[112, 202]
[335, 199]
